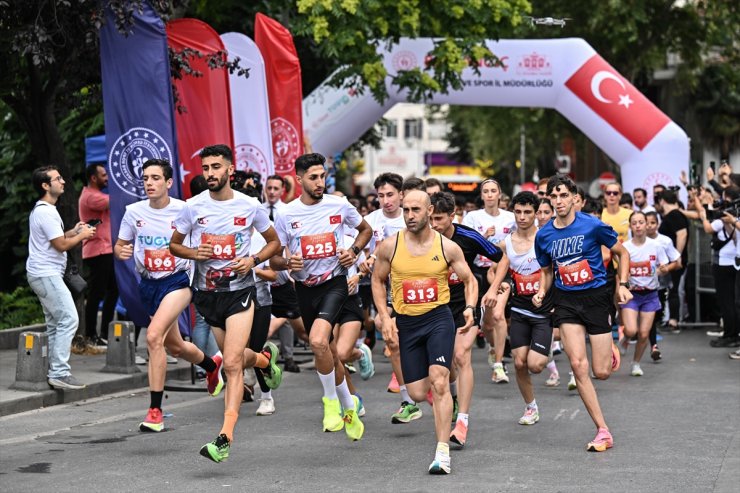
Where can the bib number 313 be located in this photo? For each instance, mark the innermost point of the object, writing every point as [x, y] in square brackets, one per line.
[318, 246]
[419, 291]
[224, 247]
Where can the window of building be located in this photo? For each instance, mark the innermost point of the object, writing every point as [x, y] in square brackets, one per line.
[391, 129]
[412, 128]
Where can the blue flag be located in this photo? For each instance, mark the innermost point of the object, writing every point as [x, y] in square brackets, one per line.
[139, 125]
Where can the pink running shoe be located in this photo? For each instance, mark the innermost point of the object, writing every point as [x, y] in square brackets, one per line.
[601, 442]
[393, 386]
[459, 434]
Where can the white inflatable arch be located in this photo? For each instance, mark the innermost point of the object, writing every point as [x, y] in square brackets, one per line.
[563, 74]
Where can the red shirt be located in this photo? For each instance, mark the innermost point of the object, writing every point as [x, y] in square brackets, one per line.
[95, 204]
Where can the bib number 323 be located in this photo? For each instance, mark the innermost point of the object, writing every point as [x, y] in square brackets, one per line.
[419, 291]
[224, 247]
[318, 246]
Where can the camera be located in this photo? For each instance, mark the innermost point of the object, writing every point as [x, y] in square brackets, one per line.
[722, 207]
[248, 182]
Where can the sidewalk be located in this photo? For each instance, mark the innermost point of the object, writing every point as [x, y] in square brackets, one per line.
[87, 369]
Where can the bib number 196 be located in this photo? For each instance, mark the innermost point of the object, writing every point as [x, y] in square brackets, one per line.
[159, 260]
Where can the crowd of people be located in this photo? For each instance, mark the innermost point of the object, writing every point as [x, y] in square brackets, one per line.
[526, 276]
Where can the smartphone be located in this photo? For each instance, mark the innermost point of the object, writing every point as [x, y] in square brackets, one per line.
[93, 222]
[713, 165]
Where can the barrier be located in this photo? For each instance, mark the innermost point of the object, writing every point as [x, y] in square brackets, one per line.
[120, 357]
[33, 362]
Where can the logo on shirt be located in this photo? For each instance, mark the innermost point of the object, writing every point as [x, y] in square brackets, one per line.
[435, 259]
[652, 258]
[172, 225]
[295, 225]
[507, 230]
[202, 221]
[240, 221]
[335, 219]
[140, 223]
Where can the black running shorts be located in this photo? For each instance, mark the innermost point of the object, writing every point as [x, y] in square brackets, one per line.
[425, 340]
[324, 301]
[217, 306]
[530, 331]
[588, 307]
[352, 310]
[284, 301]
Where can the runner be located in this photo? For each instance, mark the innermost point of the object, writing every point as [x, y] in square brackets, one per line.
[572, 241]
[471, 243]
[219, 222]
[311, 230]
[144, 234]
[418, 260]
[647, 261]
[531, 327]
[493, 223]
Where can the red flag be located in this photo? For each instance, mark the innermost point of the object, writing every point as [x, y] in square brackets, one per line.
[207, 120]
[617, 101]
[240, 221]
[283, 71]
[335, 219]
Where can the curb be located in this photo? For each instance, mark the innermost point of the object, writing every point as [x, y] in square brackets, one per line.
[9, 337]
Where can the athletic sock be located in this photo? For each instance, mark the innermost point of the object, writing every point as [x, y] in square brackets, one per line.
[227, 429]
[327, 381]
[463, 417]
[443, 448]
[267, 395]
[345, 398]
[552, 367]
[453, 388]
[155, 399]
[207, 364]
[405, 395]
[532, 405]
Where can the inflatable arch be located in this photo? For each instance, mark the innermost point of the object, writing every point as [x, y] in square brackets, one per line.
[564, 74]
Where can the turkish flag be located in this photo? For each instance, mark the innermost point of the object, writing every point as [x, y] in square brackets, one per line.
[335, 219]
[240, 221]
[617, 101]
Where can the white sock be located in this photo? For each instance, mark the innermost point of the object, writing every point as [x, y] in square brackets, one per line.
[359, 342]
[453, 388]
[405, 395]
[463, 417]
[267, 395]
[345, 398]
[443, 448]
[552, 367]
[532, 405]
[498, 365]
[327, 381]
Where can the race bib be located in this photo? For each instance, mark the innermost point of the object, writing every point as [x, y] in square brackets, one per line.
[452, 277]
[641, 269]
[576, 274]
[526, 284]
[318, 246]
[159, 260]
[419, 291]
[224, 247]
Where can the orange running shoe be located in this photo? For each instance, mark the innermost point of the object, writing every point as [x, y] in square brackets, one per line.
[601, 442]
[459, 434]
[393, 386]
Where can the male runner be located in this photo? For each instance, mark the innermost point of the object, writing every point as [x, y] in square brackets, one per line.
[145, 234]
[311, 230]
[531, 327]
[220, 222]
[572, 242]
[472, 244]
[418, 261]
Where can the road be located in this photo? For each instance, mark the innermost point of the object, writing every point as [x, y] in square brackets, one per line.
[675, 429]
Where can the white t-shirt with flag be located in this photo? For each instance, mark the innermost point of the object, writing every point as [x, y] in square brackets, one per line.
[644, 262]
[480, 220]
[382, 227]
[227, 226]
[150, 231]
[314, 232]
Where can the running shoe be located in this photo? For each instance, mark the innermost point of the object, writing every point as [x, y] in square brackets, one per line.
[636, 371]
[393, 385]
[353, 426]
[715, 333]
[291, 366]
[572, 382]
[266, 408]
[215, 378]
[616, 357]
[153, 421]
[332, 415]
[553, 380]
[440, 464]
[601, 442]
[217, 450]
[499, 375]
[406, 413]
[459, 434]
[491, 359]
[530, 417]
[655, 353]
[623, 345]
[735, 354]
[350, 368]
[367, 368]
[361, 409]
[273, 373]
[171, 360]
[455, 408]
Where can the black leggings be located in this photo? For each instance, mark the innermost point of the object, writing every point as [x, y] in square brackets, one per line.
[101, 286]
[674, 304]
[258, 337]
[725, 280]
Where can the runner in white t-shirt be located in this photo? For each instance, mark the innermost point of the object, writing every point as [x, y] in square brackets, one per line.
[219, 222]
[311, 229]
[495, 224]
[648, 260]
[164, 288]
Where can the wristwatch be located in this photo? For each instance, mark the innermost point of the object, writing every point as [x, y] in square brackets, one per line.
[355, 249]
[256, 259]
[469, 306]
[625, 284]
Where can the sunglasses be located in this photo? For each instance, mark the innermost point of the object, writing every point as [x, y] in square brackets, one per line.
[611, 192]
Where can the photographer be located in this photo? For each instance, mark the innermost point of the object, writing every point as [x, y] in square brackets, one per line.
[727, 178]
[723, 227]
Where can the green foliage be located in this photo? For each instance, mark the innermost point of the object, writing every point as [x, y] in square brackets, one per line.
[19, 308]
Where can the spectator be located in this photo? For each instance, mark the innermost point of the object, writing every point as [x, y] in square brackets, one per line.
[274, 189]
[676, 227]
[48, 244]
[657, 190]
[433, 186]
[625, 202]
[639, 196]
[727, 178]
[614, 215]
[97, 255]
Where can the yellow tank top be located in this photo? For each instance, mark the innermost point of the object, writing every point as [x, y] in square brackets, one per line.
[419, 284]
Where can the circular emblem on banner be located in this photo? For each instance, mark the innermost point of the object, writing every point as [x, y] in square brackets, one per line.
[404, 60]
[657, 178]
[129, 153]
[285, 145]
[250, 157]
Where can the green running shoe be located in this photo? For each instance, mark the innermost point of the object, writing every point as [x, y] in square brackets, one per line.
[455, 409]
[407, 412]
[352, 424]
[217, 450]
[273, 373]
[332, 415]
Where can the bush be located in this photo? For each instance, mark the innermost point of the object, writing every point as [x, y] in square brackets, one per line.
[19, 308]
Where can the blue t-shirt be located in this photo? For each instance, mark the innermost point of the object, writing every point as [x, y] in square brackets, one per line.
[576, 252]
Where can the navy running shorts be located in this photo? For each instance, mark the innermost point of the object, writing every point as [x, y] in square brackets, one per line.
[425, 340]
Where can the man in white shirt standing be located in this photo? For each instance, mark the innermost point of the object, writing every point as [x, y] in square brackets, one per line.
[274, 188]
[48, 244]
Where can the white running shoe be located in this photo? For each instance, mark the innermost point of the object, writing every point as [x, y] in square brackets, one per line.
[572, 382]
[440, 464]
[553, 380]
[530, 417]
[636, 370]
[267, 407]
[499, 375]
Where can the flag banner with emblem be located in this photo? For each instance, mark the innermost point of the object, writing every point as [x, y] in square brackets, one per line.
[250, 109]
[139, 125]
